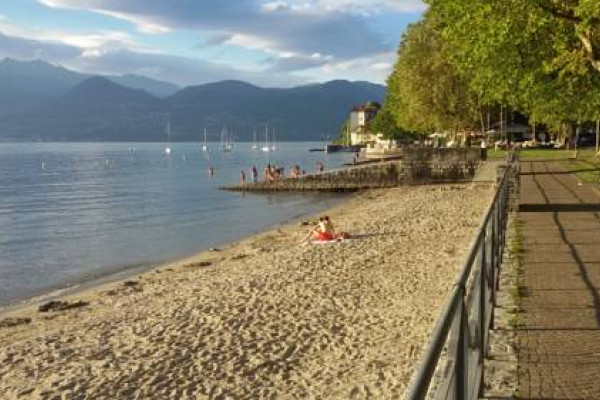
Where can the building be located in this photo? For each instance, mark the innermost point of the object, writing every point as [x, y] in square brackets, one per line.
[360, 120]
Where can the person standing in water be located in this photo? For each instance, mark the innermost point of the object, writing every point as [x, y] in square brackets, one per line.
[211, 171]
[254, 173]
[242, 177]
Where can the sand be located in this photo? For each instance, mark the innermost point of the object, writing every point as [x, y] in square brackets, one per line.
[267, 318]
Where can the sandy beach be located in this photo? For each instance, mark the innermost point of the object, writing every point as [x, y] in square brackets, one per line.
[264, 317]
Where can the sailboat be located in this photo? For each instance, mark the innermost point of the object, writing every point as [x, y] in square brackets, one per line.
[266, 146]
[254, 145]
[168, 148]
[204, 146]
[227, 146]
[273, 146]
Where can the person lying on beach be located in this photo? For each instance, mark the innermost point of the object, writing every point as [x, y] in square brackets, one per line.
[319, 232]
[324, 232]
[329, 228]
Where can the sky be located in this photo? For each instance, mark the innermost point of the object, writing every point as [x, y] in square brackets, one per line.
[271, 43]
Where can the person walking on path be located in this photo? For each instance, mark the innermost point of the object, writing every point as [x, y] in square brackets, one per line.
[483, 150]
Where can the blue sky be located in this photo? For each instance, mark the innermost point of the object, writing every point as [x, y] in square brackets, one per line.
[274, 43]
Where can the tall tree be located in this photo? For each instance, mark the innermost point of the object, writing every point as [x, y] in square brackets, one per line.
[425, 91]
[540, 56]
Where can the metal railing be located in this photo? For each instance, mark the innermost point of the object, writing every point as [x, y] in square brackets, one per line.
[452, 364]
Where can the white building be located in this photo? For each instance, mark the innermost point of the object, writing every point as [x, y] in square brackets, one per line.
[360, 119]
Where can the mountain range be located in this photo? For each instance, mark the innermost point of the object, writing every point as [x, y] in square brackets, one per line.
[43, 102]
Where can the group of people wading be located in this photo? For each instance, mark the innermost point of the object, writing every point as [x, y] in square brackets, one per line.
[273, 172]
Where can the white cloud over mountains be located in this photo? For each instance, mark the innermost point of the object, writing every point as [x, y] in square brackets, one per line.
[284, 29]
[359, 7]
[289, 37]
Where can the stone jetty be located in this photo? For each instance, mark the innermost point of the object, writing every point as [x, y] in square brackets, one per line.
[418, 166]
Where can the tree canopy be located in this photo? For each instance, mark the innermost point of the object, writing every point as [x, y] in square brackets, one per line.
[540, 57]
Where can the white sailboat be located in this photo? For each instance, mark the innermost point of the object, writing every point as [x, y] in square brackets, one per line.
[226, 145]
[273, 145]
[266, 146]
[254, 145]
[168, 148]
[204, 146]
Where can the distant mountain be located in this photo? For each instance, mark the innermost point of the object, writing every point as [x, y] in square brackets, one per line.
[303, 113]
[28, 85]
[58, 104]
[102, 92]
[95, 109]
[157, 88]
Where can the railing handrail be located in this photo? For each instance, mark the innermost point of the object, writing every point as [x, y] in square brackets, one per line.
[495, 215]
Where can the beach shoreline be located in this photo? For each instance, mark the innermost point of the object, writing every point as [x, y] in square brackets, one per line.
[111, 275]
[263, 316]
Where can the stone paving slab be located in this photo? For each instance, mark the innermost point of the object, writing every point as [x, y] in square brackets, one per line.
[582, 237]
[559, 381]
[541, 300]
[562, 276]
[558, 330]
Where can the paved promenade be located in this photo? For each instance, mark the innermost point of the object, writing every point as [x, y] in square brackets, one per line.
[559, 328]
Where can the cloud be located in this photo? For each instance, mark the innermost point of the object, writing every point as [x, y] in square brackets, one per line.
[27, 49]
[274, 27]
[374, 68]
[85, 56]
[358, 7]
[98, 40]
[296, 63]
[284, 42]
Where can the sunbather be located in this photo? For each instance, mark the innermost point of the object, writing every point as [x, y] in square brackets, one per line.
[325, 232]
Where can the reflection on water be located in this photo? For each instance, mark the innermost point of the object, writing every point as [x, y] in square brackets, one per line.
[74, 210]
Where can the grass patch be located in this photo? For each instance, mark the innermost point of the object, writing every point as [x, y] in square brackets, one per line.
[586, 167]
[496, 153]
[534, 154]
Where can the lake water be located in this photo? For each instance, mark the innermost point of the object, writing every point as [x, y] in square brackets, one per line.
[71, 212]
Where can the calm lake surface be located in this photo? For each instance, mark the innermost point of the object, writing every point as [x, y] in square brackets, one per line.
[72, 212]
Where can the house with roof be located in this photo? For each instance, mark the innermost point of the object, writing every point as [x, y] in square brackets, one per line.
[361, 118]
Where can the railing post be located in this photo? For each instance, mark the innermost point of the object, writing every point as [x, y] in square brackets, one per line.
[494, 244]
[482, 289]
[461, 372]
[482, 318]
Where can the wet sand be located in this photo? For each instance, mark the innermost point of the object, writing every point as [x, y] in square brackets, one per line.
[264, 317]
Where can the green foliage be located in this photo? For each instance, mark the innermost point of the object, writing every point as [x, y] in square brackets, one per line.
[386, 124]
[539, 56]
[425, 91]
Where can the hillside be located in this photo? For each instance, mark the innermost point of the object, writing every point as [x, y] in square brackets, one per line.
[29, 85]
[57, 104]
[95, 109]
[301, 113]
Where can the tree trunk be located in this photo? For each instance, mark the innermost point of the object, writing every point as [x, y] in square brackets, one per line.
[501, 122]
[482, 122]
[598, 138]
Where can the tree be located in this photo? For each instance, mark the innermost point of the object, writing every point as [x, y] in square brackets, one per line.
[385, 123]
[425, 92]
[542, 57]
